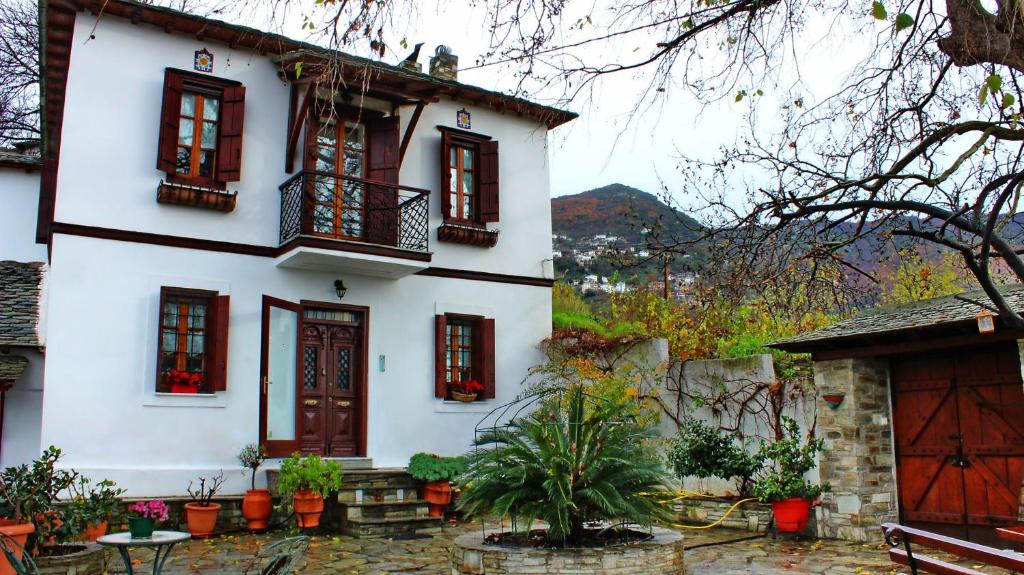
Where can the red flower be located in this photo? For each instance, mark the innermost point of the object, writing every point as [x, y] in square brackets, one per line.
[469, 387]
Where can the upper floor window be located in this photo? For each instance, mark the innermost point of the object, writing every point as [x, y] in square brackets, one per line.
[462, 182]
[469, 177]
[197, 134]
[201, 129]
[192, 344]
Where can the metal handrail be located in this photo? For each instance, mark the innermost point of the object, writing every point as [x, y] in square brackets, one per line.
[358, 180]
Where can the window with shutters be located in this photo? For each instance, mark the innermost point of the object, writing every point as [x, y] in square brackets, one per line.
[201, 129]
[192, 341]
[464, 352]
[469, 186]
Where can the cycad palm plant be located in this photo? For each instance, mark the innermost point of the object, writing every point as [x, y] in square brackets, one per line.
[575, 460]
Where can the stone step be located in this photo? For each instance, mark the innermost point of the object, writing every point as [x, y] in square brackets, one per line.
[392, 527]
[376, 495]
[368, 511]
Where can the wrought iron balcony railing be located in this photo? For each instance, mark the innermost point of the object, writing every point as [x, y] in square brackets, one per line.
[340, 207]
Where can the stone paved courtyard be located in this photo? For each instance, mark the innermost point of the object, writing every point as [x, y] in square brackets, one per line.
[715, 551]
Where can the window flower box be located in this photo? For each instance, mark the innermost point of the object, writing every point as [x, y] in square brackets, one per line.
[195, 196]
[468, 235]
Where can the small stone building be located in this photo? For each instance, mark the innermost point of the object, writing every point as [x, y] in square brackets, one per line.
[21, 360]
[925, 423]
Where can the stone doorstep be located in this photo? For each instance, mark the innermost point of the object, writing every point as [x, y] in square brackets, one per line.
[386, 510]
[377, 527]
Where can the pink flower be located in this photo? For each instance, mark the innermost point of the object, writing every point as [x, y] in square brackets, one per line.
[155, 509]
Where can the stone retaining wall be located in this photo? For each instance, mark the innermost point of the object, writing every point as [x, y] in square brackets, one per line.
[750, 516]
[91, 561]
[229, 519]
[663, 554]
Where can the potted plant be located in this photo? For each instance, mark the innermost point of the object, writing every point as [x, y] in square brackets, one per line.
[143, 515]
[783, 483]
[308, 479]
[201, 512]
[90, 508]
[256, 507]
[183, 381]
[437, 473]
[13, 523]
[465, 391]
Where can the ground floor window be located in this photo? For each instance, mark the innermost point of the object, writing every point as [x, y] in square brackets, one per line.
[192, 341]
[464, 362]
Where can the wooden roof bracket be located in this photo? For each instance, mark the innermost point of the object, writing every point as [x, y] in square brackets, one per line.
[297, 116]
[407, 137]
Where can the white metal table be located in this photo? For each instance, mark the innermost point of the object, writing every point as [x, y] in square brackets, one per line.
[161, 541]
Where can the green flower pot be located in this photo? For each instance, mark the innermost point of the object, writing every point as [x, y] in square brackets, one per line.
[141, 527]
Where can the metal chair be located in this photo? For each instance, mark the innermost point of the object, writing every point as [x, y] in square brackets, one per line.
[279, 558]
[11, 549]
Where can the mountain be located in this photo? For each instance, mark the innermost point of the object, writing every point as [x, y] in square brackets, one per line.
[617, 210]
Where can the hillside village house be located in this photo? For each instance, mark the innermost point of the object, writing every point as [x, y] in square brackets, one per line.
[222, 248]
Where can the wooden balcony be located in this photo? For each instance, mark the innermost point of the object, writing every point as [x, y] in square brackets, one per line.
[336, 222]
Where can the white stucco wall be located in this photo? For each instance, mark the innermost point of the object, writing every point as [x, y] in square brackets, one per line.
[22, 420]
[101, 409]
[19, 204]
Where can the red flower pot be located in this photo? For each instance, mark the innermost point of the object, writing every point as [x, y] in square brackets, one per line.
[94, 531]
[438, 494]
[308, 507]
[791, 514]
[184, 388]
[201, 520]
[19, 532]
[256, 508]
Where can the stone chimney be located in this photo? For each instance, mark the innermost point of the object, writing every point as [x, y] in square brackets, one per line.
[444, 64]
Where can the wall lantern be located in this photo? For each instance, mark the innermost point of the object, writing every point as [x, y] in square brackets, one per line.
[833, 398]
[986, 321]
[340, 289]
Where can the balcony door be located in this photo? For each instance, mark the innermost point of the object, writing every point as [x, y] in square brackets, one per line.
[338, 151]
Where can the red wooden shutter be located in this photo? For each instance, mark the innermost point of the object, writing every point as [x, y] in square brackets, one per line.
[382, 166]
[229, 145]
[440, 356]
[446, 175]
[170, 117]
[217, 366]
[489, 181]
[486, 330]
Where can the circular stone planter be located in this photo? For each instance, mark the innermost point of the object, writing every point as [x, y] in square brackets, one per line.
[662, 554]
[89, 561]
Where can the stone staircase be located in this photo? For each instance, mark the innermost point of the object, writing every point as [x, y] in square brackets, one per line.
[383, 503]
[373, 502]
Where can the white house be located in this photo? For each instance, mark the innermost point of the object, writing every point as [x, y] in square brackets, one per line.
[251, 239]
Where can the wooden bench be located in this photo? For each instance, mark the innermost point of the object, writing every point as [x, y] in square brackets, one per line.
[903, 541]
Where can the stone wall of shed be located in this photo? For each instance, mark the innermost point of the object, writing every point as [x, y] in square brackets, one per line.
[858, 458]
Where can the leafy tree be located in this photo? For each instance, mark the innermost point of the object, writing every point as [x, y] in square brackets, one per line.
[921, 140]
[578, 458]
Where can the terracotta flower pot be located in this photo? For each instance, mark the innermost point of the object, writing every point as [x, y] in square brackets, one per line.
[463, 397]
[201, 520]
[438, 494]
[791, 514]
[94, 531]
[308, 507]
[19, 532]
[256, 508]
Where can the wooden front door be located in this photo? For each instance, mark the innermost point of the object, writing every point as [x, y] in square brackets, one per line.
[957, 419]
[332, 385]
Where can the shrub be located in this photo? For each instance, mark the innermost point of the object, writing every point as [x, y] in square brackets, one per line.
[789, 462]
[576, 459]
[90, 504]
[429, 467]
[30, 493]
[702, 451]
[309, 473]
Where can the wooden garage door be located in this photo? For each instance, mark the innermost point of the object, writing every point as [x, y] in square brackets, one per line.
[958, 417]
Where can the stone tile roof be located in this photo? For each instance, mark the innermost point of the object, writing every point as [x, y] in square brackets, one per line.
[20, 285]
[11, 368]
[916, 315]
[14, 157]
